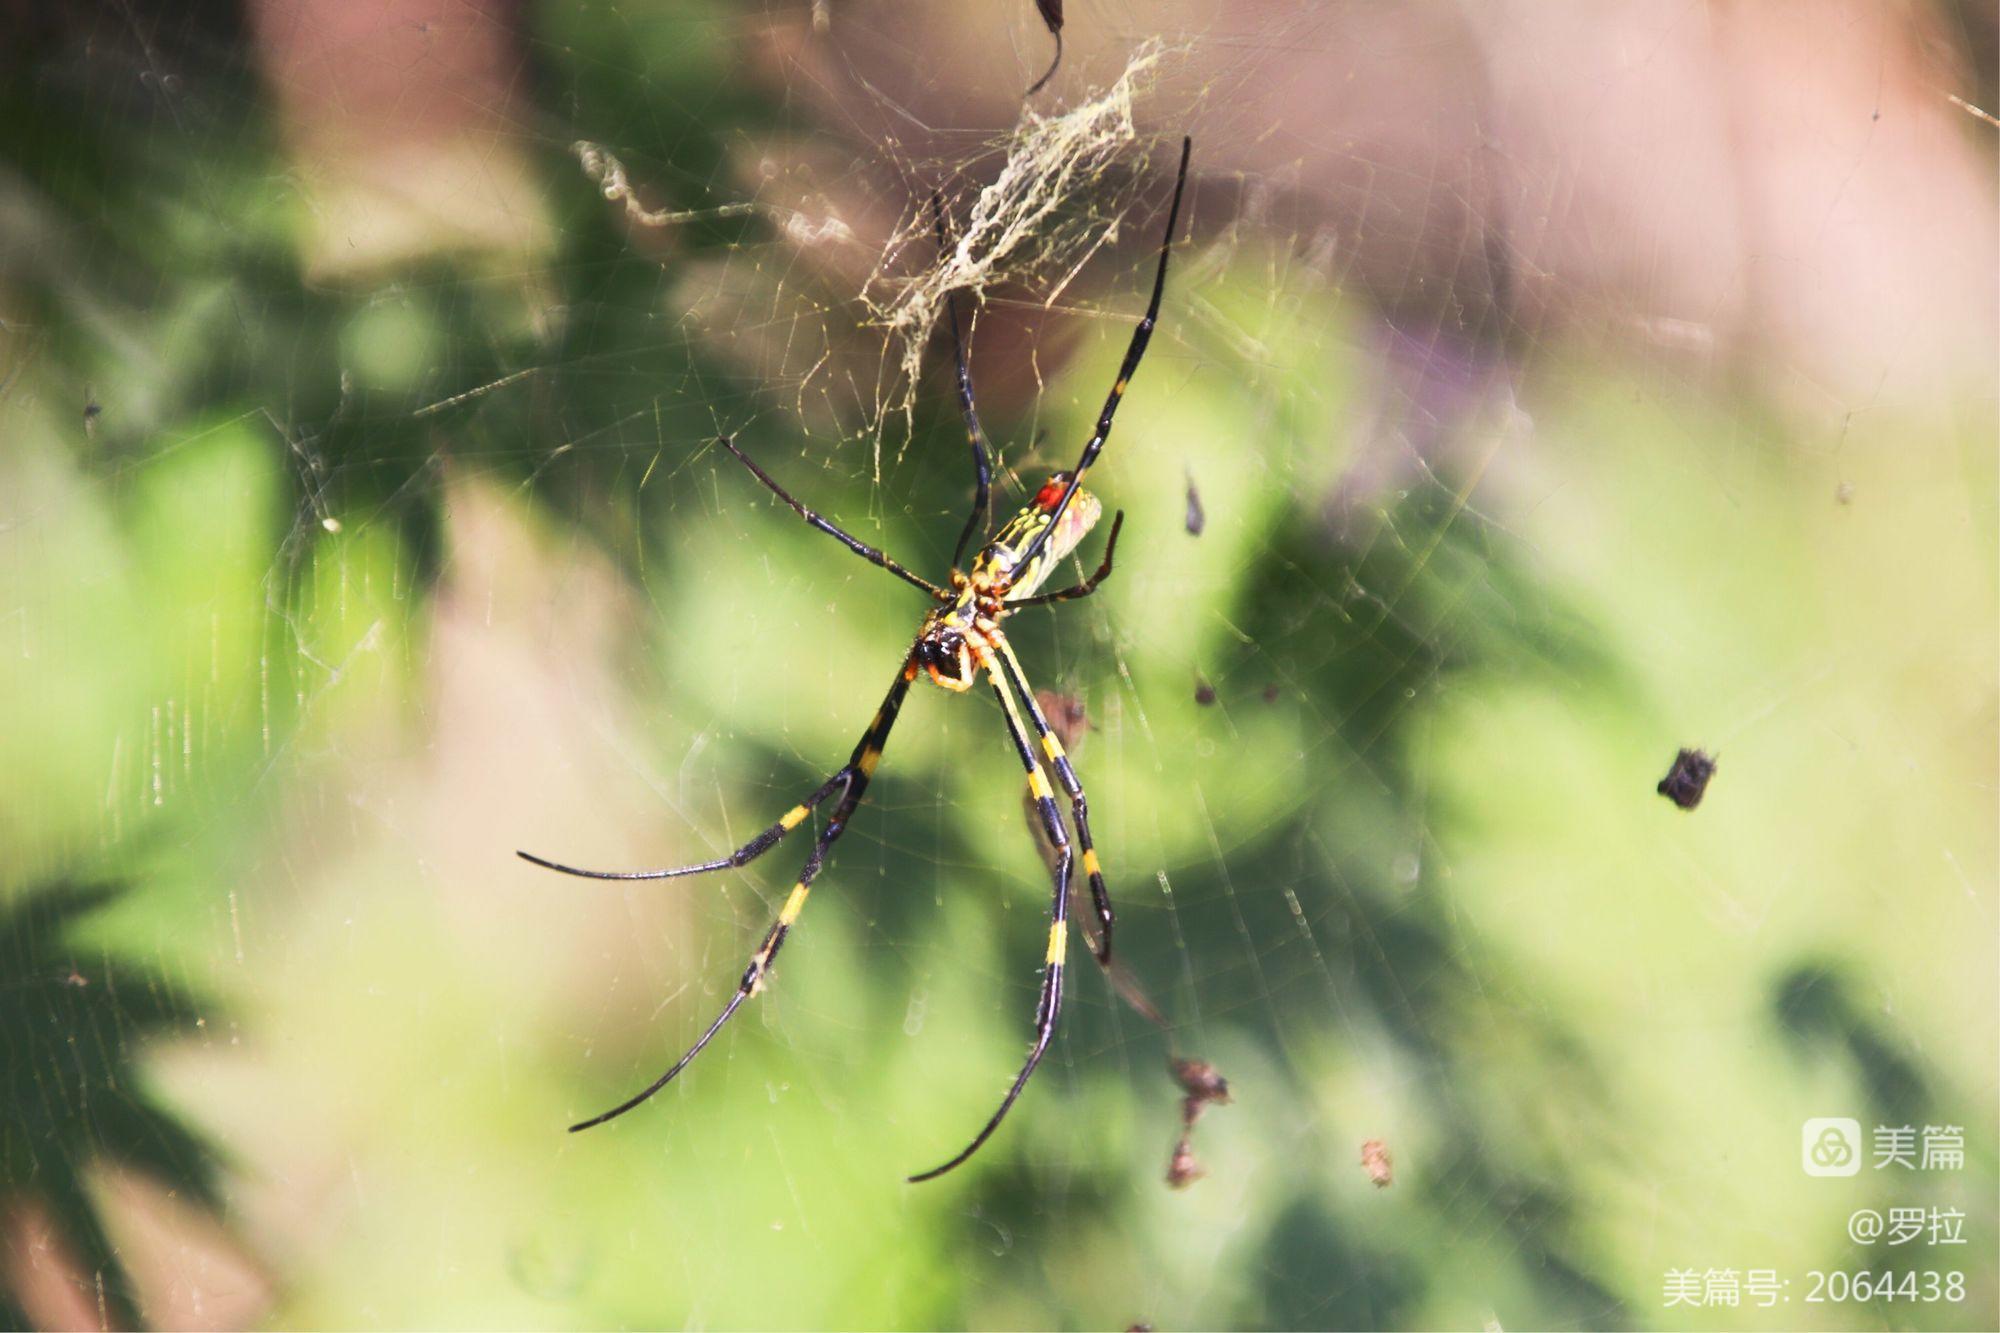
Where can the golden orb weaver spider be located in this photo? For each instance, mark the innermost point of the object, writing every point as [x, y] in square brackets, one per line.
[960, 637]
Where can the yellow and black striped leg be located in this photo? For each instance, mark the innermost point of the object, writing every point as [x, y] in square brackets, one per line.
[742, 856]
[1079, 804]
[1050, 1007]
[855, 775]
[1089, 585]
[1134, 352]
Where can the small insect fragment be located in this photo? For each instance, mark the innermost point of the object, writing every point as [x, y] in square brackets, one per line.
[1067, 718]
[1052, 17]
[1204, 1087]
[1687, 780]
[1844, 493]
[1376, 1161]
[1197, 517]
[1271, 693]
[1204, 693]
[1183, 1169]
[91, 412]
[1202, 1084]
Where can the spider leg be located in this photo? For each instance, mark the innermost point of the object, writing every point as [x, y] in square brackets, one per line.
[1089, 585]
[982, 468]
[1079, 805]
[1050, 73]
[1140, 337]
[1050, 1006]
[854, 544]
[859, 768]
[742, 856]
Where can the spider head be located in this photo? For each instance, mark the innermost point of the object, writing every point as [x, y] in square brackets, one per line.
[942, 650]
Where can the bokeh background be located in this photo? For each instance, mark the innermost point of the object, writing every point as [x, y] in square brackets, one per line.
[1560, 386]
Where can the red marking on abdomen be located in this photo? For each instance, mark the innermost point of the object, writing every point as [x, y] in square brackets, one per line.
[1051, 494]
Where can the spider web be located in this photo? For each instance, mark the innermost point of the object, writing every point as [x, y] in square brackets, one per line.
[1526, 404]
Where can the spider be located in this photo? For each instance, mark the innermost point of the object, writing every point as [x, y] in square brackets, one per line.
[959, 639]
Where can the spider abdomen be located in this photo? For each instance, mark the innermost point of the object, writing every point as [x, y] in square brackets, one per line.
[997, 567]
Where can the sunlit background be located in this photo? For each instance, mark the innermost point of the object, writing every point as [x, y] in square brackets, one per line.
[1539, 390]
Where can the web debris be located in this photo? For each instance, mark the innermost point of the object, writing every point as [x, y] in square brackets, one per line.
[1014, 224]
[608, 174]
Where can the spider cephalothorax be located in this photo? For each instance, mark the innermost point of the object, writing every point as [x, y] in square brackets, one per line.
[961, 638]
[945, 645]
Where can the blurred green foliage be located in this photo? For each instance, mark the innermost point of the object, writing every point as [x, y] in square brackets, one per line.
[73, 1023]
[1421, 892]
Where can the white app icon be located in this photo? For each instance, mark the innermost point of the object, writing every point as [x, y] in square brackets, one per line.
[1831, 1146]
